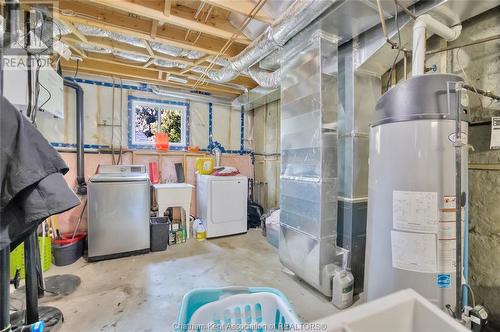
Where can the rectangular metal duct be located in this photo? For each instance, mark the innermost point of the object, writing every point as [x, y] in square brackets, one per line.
[309, 159]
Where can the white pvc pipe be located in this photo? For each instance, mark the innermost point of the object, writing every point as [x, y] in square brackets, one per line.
[423, 23]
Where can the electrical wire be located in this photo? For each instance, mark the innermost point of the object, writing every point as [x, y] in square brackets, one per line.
[467, 80]
[50, 95]
[399, 44]
[34, 109]
[472, 294]
[77, 66]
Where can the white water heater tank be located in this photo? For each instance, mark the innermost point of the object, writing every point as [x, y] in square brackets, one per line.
[411, 211]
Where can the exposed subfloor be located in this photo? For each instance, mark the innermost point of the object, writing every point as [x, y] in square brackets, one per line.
[143, 293]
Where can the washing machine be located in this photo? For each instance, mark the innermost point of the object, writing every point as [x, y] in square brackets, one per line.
[118, 212]
[222, 204]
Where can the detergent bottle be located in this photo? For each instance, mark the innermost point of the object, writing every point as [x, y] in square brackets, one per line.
[201, 231]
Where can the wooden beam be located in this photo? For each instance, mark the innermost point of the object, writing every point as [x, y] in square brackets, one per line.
[149, 63]
[77, 50]
[166, 8]
[108, 59]
[95, 67]
[149, 49]
[243, 7]
[140, 28]
[104, 42]
[183, 22]
[75, 31]
[154, 28]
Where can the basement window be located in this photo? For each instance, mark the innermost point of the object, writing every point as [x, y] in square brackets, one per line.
[150, 116]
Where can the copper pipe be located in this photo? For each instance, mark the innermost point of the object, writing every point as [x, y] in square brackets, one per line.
[481, 92]
[479, 41]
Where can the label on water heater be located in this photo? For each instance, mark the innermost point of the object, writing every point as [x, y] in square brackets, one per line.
[443, 280]
[495, 133]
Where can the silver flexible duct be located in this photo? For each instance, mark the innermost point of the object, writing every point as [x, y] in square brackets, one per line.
[264, 78]
[131, 56]
[190, 96]
[169, 64]
[298, 16]
[272, 61]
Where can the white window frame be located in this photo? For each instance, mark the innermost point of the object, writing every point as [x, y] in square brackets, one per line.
[160, 104]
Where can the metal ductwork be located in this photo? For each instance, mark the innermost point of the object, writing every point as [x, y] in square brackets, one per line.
[80, 164]
[190, 96]
[265, 78]
[298, 16]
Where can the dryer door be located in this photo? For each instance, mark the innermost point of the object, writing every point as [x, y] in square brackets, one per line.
[229, 201]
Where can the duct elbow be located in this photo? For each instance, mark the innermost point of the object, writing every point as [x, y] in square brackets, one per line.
[265, 79]
[427, 22]
[422, 24]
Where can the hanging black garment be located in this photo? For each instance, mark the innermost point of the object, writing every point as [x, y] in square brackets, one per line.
[31, 174]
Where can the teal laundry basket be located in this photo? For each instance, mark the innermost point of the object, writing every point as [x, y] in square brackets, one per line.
[258, 309]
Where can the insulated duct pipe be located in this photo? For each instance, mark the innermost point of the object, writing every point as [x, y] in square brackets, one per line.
[297, 17]
[186, 95]
[265, 78]
[12, 22]
[422, 24]
[80, 168]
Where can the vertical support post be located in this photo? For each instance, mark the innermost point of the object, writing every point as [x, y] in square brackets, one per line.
[458, 206]
[210, 124]
[242, 129]
[39, 271]
[465, 259]
[188, 126]
[4, 289]
[30, 253]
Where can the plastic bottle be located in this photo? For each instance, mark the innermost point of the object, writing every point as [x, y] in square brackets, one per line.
[342, 289]
[201, 231]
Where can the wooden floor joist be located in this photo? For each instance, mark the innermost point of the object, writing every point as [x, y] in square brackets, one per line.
[141, 74]
[163, 21]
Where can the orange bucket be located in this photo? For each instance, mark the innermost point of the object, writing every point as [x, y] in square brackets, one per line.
[162, 141]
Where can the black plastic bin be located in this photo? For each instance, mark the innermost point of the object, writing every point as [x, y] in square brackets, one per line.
[158, 233]
[67, 249]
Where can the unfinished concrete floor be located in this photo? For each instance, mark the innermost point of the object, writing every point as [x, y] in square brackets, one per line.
[143, 293]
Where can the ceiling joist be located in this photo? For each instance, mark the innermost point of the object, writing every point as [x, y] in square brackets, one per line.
[176, 18]
[107, 43]
[83, 13]
[126, 71]
[243, 7]
[166, 7]
[164, 21]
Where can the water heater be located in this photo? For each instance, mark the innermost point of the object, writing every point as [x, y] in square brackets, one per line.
[411, 204]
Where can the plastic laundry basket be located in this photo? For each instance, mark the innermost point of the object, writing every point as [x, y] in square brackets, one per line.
[236, 309]
[17, 256]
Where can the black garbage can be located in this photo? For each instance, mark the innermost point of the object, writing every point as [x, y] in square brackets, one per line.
[158, 233]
